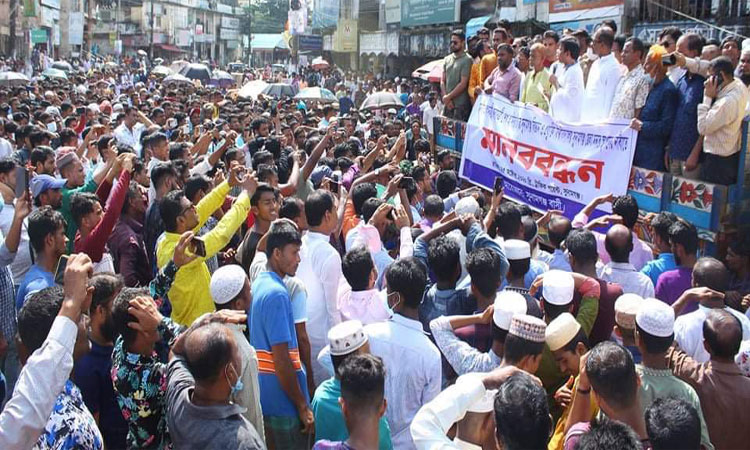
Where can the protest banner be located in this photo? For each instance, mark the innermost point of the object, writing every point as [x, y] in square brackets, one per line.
[545, 164]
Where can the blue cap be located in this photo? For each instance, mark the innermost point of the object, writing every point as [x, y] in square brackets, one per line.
[41, 183]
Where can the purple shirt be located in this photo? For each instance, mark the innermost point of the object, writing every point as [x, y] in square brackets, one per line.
[507, 84]
[672, 284]
[325, 444]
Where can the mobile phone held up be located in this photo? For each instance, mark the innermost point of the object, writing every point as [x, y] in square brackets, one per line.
[22, 181]
[499, 183]
[62, 263]
[199, 247]
[669, 60]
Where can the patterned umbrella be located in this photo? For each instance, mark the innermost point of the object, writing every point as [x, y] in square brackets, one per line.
[222, 79]
[54, 73]
[320, 63]
[316, 93]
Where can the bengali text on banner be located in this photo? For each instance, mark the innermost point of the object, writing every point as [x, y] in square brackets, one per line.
[545, 164]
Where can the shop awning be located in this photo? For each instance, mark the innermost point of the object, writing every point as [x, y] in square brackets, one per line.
[170, 48]
[261, 41]
[473, 25]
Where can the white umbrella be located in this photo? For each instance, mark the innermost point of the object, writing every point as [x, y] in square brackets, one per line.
[161, 71]
[54, 73]
[13, 79]
[316, 93]
[177, 78]
[320, 63]
[252, 89]
[178, 65]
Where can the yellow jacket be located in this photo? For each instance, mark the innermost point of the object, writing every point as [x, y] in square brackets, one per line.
[558, 436]
[190, 295]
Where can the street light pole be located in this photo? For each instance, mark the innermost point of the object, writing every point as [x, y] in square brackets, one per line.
[151, 41]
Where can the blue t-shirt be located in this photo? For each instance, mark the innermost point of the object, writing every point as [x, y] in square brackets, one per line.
[272, 323]
[92, 375]
[36, 279]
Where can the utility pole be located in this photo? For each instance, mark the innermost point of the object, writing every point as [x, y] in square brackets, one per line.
[151, 40]
[90, 34]
[13, 16]
[117, 27]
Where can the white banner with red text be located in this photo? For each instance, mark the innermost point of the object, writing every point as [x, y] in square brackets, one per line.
[544, 163]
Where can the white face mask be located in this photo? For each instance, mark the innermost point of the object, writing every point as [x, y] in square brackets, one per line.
[52, 126]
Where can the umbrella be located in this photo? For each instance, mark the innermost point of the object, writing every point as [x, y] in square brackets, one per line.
[54, 73]
[382, 100]
[177, 78]
[320, 63]
[178, 65]
[196, 72]
[62, 65]
[13, 79]
[436, 74]
[161, 71]
[424, 71]
[278, 90]
[252, 89]
[221, 79]
[158, 61]
[142, 53]
[316, 93]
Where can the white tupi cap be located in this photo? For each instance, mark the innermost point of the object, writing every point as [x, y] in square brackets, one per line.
[227, 283]
[561, 331]
[655, 318]
[346, 337]
[516, 249]
[626, 307]
[558, 287]
[507, 304]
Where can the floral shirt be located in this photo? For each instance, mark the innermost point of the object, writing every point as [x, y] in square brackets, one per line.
[71, 425]
[140, 381]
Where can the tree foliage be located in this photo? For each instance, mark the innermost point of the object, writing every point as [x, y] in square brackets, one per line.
[265, 16]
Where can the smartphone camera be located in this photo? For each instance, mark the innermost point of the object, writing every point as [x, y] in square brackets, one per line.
[199, 247]
[499, 183]
[669, 60]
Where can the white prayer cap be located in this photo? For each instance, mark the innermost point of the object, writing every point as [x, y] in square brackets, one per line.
[487, 402]
[54, 110]
[346, 337]
[93, 107]
[655, 318]
[516, 249]
[467, 205]
[227, 283]
[561, 331]
[626, 307]
[746, 45]
[527, 327]
[558, 287]
[507, 304]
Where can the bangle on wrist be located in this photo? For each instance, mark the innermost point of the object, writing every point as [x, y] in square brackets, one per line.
[583, 391]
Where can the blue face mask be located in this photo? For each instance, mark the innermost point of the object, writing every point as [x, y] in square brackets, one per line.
[237, 387]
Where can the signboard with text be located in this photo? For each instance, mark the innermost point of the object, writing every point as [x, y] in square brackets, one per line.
[556, 6]
[429, 12]
[544, 163]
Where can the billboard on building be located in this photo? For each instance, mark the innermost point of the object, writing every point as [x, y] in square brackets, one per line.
[346, 36]
[556, 6]
[392, 11]
[230, 22]
[310, 43]
[325, 14]
[297, 16]
[429, 12]
[75, 28]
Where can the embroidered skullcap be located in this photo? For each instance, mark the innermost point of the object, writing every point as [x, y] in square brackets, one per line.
[346, 337]
[227, 283]
[527, 327]
[655, 318]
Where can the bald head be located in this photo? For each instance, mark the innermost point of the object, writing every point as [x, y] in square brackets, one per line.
[711, 273]
[558, 229]
[722, 334]
[619, 243]
[208, 349]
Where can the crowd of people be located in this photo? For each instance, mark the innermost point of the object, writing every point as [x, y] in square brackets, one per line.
[186, 268]
[685, 95]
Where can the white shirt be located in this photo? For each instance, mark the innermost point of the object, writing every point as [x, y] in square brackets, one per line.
[567, 101]
[429, 113]
[688, 331]
[600, 90]
[631, 281]
[22, 262]
[433, 421]
[675, 73]
[40, 382]
[414, 372]
[320, 272]
[5, 148]
[124, 135]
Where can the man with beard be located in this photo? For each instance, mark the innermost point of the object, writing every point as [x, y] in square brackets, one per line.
[505, 80]
[92, 371]
[743, 69]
